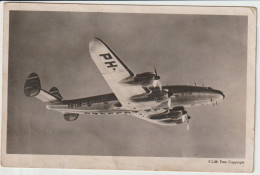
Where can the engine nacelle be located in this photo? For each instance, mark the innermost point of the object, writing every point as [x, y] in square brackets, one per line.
[70, 116]
[169, 114]
[145, 79]
[176, 115]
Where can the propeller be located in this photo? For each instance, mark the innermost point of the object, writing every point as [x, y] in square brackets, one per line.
[188, 126]
[186, 118]
[156, 80]
[170, 94]
[183, 118]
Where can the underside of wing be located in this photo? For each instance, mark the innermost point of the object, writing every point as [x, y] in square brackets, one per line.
[161, 120]
[114, 71]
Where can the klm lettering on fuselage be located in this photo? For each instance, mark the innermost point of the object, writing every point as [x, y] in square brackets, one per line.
[108, 57]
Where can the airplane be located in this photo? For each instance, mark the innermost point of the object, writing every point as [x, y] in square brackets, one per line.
[139, 95]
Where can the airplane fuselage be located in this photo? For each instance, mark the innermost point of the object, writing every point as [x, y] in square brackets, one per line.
[186, 96]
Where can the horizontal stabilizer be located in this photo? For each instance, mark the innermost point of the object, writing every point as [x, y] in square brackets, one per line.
[32, 88]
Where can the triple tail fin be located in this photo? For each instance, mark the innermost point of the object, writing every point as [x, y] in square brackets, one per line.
[55, 91]
[32, 88]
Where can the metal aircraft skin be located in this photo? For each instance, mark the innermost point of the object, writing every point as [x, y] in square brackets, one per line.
[139, 95]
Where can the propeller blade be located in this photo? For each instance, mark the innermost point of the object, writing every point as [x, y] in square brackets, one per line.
[169, 103]
[160, 85]
[155, 82]
[188, 125]
[155, 71]
[170, 94]
[183, 119]
[156, 77]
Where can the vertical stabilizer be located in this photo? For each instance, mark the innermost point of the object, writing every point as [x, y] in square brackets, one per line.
[32, 88]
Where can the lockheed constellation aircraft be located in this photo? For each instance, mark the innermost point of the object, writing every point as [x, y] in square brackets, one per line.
[139, 95]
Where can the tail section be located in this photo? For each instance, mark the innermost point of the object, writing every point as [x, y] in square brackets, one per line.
[32, 85]
[55, 91]
[32, 88]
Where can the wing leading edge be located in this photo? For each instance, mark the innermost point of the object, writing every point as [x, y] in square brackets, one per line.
[114, 70]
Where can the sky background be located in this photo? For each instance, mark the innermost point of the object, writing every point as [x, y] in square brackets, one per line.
[210, 50]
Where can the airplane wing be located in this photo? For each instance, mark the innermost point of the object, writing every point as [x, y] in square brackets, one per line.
[114, 70]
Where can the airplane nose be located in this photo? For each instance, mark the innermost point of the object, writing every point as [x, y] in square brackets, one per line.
[220, 93]
[223, 95]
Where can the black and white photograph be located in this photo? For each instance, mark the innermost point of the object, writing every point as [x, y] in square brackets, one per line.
[127, 87]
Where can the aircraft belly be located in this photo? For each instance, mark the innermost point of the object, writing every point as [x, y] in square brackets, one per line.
[86, 108]
[94, 112]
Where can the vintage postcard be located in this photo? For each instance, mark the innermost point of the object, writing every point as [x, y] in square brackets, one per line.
[128, 87]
